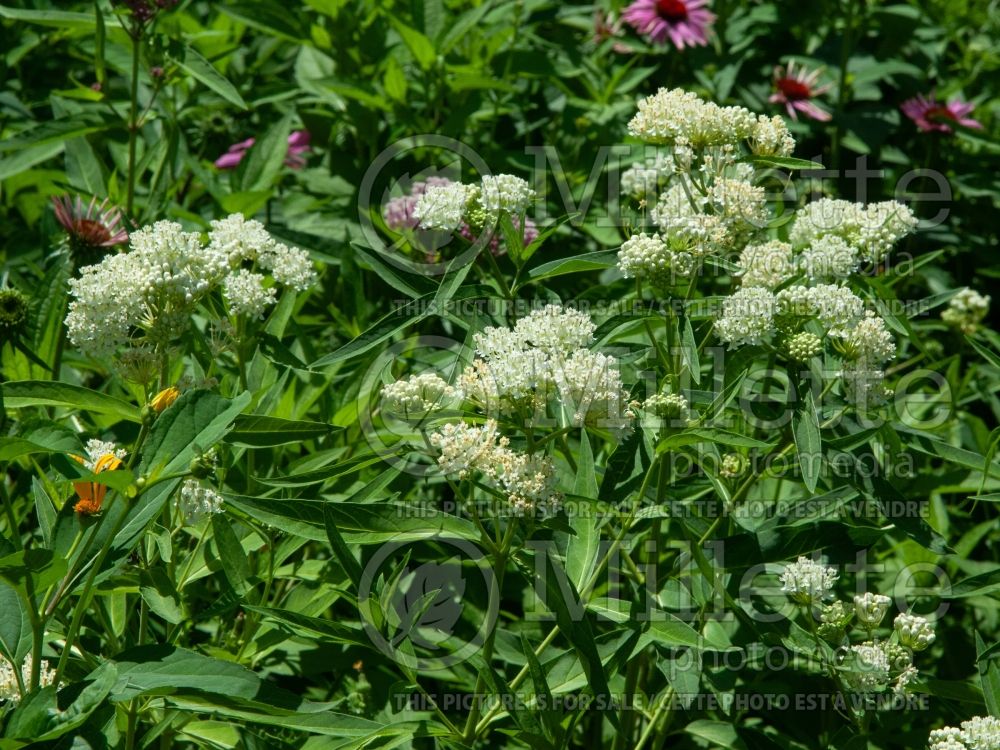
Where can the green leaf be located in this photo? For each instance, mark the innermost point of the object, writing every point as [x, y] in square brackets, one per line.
[159, 593]
[808, 442]
[55, 18]
[668, 630]
[419, 45]
[595, 261]
[258, 431]
[988, 661]
[41, 565]
[195, 423]
[14, 624]
[316, 628]
[340, 550]
[782, 162]
[202, 70]
[22, 393]
[267, 157]
[58, 131]
[575, 626]
[234, 559]
[357, 523]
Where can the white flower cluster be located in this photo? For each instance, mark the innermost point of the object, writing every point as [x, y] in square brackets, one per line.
[9, 690]
[837, 308]
[97, 449]
[643, 180]
[966, 310]
[446, 207]
[543, 359]
[442, 207]
[528, 482]
[767, 265]
[729, 212]
[418, 394]
[648, 255]
[679, 117]
[246, 294]
[196, 502]
[808, 582]
[747, 317]
[154, 287]
[872, 230]
[828, 257]
[978, 733]
[871, 667]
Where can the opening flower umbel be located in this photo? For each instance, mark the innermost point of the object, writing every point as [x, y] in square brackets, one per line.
[796, 88]
[685, 23]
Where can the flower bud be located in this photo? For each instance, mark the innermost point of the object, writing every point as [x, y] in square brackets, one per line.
[13, 314]
[164, 398]
[803, 346]
[914, 632]
[870, 609]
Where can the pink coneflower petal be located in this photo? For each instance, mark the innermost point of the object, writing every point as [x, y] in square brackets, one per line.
[796, 88]
[930, 115]
[93, 226]
[684, 22]
[298, 144]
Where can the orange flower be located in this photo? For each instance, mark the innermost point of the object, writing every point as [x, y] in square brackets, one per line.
[164, 398]
[92, 494]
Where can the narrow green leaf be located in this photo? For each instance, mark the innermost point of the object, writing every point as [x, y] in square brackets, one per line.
[202, 70]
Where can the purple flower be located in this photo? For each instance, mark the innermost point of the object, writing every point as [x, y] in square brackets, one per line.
[796, 89]
[930, 114]
[683, 22]
[298, 144]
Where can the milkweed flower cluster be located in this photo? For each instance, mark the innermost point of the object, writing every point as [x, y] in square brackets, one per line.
[439, 204]
[147, 295]
[807, 581]
[707, 202]
[9, 690]
[966, 310]
[539, 369]
[527, 481]
[195, 502]
[418, 395]
[445, 207]
[978, 733]
[644, 179]
[872, 664]
[544, 361]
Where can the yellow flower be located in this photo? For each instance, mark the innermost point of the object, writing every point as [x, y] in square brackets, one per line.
[164, 398]
[92, 494]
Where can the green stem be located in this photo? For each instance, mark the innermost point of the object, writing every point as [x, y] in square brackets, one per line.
[500, 566]
[84, 601]
[133, 125]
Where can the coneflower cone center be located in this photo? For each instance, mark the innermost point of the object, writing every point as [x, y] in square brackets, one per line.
[793, 89]
[672, 10]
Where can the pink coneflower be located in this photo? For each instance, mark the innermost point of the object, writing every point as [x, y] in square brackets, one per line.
[796, 89]
[298, 144]
[606, 26]
[91, 227]
[684, 22]
[930, 114]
